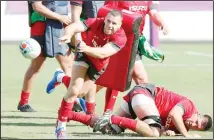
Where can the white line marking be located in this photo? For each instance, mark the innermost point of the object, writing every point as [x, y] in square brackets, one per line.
[179, 65]
[199, 54]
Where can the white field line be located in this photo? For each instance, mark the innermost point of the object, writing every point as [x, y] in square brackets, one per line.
[199, 54]
[179, 65]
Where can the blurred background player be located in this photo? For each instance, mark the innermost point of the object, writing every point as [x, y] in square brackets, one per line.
[38, 13]
[102, 38]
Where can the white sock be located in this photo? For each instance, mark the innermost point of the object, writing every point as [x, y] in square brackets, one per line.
[61, 124]
[77, 100]
[59, 77]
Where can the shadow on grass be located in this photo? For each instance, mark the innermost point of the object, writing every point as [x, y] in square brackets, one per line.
[34, 124]
[25, 117]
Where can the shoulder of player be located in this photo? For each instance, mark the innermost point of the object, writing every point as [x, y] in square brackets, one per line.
[120, 34]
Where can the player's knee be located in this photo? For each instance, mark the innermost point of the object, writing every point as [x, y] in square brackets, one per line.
[73, 91]
[155, 132]
[154, 122]
[36, 65]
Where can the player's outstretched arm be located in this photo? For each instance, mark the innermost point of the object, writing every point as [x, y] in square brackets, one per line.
[70, 30]
[99, 52]
[158, 20]
[168, 133]
[176, 115]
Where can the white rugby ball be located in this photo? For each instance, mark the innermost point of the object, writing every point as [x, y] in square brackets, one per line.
[30, 48]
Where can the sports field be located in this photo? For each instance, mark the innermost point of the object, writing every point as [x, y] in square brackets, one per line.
[187, 69]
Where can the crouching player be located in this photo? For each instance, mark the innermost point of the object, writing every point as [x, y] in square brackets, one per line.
[159, 112]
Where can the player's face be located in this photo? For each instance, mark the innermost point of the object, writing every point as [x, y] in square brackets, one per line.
[112, 24]
[196, 122]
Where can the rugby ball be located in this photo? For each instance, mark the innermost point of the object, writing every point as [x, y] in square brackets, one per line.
[30, 48]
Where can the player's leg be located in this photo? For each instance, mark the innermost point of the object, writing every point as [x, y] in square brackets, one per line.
[110, 99]
[32, 71]
[79, 70]
[93, 75]
[118, 122]
[76, 83]
[86, 119]
[89, 93]
[37, 33]
[149, 123]
[65, 62]
[139, 72]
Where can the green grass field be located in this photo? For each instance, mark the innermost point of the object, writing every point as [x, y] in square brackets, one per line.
[187, 69]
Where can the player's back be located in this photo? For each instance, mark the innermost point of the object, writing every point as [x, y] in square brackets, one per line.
[165, 100]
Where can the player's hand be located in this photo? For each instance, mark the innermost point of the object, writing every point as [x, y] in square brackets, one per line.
[169, 133]
[65, 19]
[81, 47]
[65, 39]
[164, 29]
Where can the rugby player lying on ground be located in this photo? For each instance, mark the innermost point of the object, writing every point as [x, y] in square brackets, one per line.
[159, 112]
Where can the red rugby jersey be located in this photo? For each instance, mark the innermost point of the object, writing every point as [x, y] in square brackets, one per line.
[165, 100]
[95, 37]
[141, 7]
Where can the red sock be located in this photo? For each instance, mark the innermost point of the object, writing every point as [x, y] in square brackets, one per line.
[66, 81]
[65, 110]
[90, 108]
[24, 98]
[110, 97]
[124, 122]
[80, 117]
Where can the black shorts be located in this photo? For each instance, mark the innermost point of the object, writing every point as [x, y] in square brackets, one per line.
[92, 72]
[41, 41]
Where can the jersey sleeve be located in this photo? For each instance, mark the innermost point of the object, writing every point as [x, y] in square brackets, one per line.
[91, 21]
[119, 39]
[189, 108]
[76, 2]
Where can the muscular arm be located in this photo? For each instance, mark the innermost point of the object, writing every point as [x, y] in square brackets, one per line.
[176, 115]
[44, 11]
[156, 18]
[73, 28]
[107, 50]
